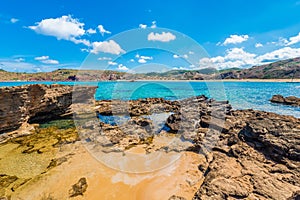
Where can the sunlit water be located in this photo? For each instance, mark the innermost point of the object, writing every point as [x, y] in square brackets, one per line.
[241, 95]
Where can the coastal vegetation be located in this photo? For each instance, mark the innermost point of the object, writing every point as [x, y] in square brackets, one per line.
[285, 69]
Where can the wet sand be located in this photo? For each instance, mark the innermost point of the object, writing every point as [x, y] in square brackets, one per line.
[181, 178]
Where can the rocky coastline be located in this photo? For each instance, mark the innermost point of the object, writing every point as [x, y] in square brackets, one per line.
[247, 154]
[291, 100]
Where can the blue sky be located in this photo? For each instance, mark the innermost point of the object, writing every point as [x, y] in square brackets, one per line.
[187, 34]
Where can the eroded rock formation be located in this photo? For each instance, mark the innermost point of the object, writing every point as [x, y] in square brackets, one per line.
[36, 103]
[291, 100]
[248, 154]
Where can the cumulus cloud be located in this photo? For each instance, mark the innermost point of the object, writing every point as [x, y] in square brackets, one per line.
[280, 54]
[112, 63]
[239, 58]
[163, 37]
[65, 27]
[147, 57]
[122, 67]
[257, 45]
[46, 60]
[102, 30]
[107, 47]
[143, 26]
[91, 31]
[41, 58]
[14, 20]
[80, 41]
[143, 59]
[235, 39]
[294, 40]
[50, 61]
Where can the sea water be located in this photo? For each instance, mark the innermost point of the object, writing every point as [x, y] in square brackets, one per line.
[241, 95]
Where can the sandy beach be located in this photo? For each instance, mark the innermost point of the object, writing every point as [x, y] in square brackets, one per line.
[181, 178]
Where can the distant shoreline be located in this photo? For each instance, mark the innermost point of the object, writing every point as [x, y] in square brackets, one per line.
[157, 80]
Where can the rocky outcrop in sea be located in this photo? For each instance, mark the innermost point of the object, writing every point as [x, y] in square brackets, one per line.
[291, 100]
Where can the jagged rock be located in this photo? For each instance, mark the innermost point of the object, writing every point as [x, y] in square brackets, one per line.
[78, 188]
[36, 103]
[257, 158]
[291, 100]
[174, 197]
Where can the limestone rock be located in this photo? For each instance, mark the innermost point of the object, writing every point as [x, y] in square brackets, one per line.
[291, 100]
[78, 188]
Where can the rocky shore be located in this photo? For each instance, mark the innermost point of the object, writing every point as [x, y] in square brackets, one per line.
[238, 154]
[291, 100]
[32, 104]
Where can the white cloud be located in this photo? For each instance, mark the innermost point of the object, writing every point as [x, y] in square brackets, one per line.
[84, 50]
[280, 54]
[257, 45]
[153, 24]
[65, 27]
[163, 37]
[185, 56]
[122, 67]
[180, 68]
[107, 47]
[176, 56]
[46, 60]
[131, 60]
[112, 63]
[238, 54]
[147, 57]
[80, 41]
[91, 31]
[191, 52]
[143, 26]
[19, 59]
[235, 39]
[41, 58]
[104, 58]
[294, 39]
[102, 30]
[281, 42]
[239, 58]
[14, 20]
[51, 62]
[141, 60]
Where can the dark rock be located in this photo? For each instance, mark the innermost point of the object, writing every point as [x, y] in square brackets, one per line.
[37, 104]
[78, 188]
[174, 197]
[291, 100]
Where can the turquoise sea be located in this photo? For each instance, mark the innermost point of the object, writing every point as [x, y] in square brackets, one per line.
[241, 95]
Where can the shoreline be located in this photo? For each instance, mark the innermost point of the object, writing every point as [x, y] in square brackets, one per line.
[157, 80]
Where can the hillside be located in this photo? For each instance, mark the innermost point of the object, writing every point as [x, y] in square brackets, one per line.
[62, 75]
[285, 69]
